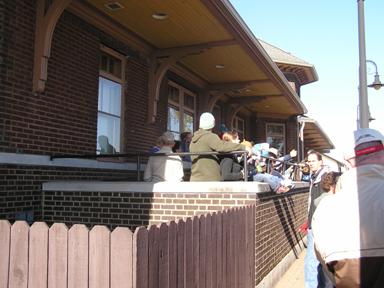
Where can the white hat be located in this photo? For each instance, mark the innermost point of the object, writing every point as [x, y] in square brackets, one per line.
[274, 152]
[365, 135]
[207, 121]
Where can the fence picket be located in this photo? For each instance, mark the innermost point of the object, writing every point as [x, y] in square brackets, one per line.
[212, 250]
[18, 266]
[214, 243]
[232, 247]
[209, 248]
[57, 256]
[5, 242]
[189, 276]
[99, 254]
[78, 256]
[219, 250]
[202, 251]
[38, 255]
[181, 265]
[225, 268]
[140, 258]
[163, 256]
[153, 256]
[173, 248]
[242, 255]
[121, 258]
[196, 250]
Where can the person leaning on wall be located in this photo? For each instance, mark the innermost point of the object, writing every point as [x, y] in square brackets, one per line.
[164, 168]
[206, 167]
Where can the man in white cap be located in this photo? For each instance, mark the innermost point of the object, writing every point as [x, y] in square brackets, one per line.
[348, 226]
[207, 167]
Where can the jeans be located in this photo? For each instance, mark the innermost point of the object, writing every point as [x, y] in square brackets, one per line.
[314, 275]
[273, 181]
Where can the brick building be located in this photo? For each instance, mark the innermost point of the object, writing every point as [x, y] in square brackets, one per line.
[74, 73]
[91, 77]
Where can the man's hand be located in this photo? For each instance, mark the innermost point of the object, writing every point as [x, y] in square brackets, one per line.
[293, 153]
[249, 151]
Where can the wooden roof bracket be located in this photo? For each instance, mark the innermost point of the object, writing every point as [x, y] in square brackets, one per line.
[232, 114]
[162, 60]
[160, 63]
[47, 15]
[215, 96]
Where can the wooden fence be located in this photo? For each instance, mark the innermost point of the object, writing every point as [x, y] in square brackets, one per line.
[213, 250]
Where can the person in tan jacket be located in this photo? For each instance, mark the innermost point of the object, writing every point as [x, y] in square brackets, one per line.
[207, 167]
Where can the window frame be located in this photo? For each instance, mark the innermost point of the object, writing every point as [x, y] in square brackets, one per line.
[120, 80]
[181, 107]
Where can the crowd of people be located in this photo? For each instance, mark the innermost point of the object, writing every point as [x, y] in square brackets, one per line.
[344, 227]
[207, 166]
[345, 231]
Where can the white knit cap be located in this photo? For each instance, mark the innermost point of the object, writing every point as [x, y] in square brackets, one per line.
[207, 121]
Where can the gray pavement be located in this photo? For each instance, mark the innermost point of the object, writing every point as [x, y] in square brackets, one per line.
[294, 277]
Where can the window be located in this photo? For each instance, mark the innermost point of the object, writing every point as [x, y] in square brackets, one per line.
[111, 79]
[239, 127]
[276, 136]
[181, 110]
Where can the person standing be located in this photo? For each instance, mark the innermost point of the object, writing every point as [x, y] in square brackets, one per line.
[313, 274]
[348, 226]
[207, 167]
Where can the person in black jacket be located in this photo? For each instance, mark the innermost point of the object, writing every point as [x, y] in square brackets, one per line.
[230, 168]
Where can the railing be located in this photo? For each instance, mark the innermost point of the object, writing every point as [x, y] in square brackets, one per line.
[213, 250]
[140, 156]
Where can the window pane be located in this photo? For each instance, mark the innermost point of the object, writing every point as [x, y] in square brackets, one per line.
[275, 129]
[277, 143]
[111, 65]
[189, 101]
[173, 120]
[108, 122]
[109, 96]
[188, 123]
[275, 136]
[173, 94]
[108, 134]
[103, 62]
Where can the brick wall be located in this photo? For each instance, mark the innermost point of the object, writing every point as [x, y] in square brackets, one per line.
[277, 216]
[16, 62]
[134, 209]
[20, 185]
[63, 119]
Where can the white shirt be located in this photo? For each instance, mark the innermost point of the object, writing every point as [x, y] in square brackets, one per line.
[350, 223]
[164, 168]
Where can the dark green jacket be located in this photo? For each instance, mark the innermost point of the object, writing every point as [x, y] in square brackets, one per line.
[207, 167]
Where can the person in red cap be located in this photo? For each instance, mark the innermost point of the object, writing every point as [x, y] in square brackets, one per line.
[348, 226]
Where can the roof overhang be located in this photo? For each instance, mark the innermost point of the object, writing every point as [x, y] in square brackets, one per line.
[288, 63]
[314, 136]
[207, 40]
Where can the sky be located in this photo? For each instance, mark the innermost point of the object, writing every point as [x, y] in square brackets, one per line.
[324, 33]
